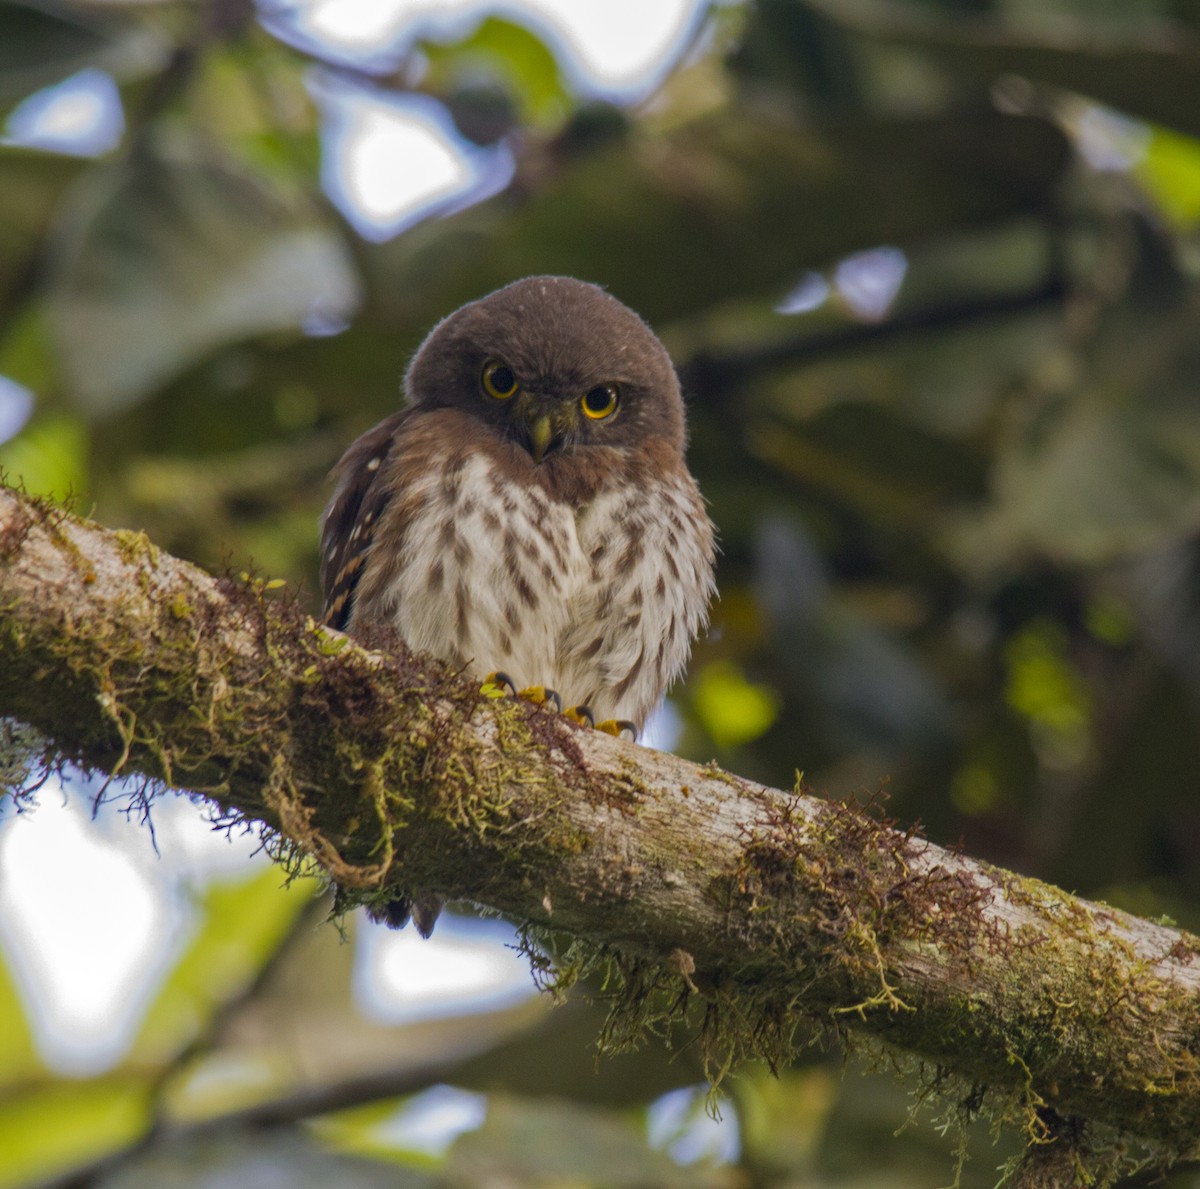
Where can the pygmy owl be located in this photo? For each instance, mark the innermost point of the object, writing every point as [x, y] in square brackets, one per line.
[530, 510]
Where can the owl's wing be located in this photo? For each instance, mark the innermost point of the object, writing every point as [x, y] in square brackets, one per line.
[352, 515]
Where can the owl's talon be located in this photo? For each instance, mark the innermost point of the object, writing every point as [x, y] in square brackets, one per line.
[498, 685]
[539, 695]
[616, 727]
[582, 715]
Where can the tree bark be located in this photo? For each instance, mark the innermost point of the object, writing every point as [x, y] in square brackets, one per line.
[749, 910]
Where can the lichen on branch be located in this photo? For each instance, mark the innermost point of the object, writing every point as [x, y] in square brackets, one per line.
[751, 915]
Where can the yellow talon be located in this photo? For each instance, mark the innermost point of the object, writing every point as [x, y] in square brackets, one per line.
[581, 715]
[616, 727]
[497, 685]
[500, 685]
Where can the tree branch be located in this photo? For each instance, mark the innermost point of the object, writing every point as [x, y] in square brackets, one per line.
[748, 909]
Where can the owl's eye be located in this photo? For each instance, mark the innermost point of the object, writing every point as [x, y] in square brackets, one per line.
[498, 380]
[601, 401]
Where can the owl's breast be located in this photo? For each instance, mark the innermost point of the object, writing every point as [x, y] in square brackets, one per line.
[487, 571]
[597, 598]
[649, 549]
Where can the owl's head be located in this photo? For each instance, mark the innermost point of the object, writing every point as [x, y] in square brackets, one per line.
[552, 364]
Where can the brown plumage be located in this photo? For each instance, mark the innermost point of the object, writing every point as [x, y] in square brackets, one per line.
[530, 511]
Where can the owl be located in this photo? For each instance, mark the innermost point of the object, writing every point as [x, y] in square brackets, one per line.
[530, 510]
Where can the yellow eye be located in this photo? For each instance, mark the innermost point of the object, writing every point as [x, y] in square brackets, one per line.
[601, 401]
[499, 381]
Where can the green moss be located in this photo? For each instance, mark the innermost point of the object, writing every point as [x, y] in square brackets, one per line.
[135, 548]
[204, 724]
[838, 905]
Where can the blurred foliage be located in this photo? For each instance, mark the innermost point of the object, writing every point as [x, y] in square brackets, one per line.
[960, 521]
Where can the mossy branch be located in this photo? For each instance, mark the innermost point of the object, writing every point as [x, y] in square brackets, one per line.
[752, 911]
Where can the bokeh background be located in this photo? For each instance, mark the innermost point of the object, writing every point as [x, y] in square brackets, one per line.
[931, 273]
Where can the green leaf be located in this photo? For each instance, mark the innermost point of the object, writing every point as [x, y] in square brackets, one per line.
[514, 55]
[50, 1128]
[1103, 459]
[1043, 685]
[848, 678]
[255, 1157]
[732, 709]
[712, 213]
[49, 456]
[18, 1055]
[244, 923]
[1170, 170]
[39, 46]
[1112, 466]
[548, 1142]
[366, 1131]
[1109, 477]
[164, 258]
[32, 184]
[252, 96]
[43, 43]
[26, 354]
[1139, 65]
[783, 1117]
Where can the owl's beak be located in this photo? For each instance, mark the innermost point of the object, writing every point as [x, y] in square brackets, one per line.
[548, 423]
[541, 434]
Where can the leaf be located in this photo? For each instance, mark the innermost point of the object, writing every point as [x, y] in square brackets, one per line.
[859, 685]
[866, 454]
[731, 709]
[50, 1128]
[1170, 170]
[244, 923]
[1138, 66]
[783, 1117]
[18, 1056]
[32, 184]
[1108, 475]
[412, 1131]
[511, 53]
[548, 1142]
[801, 53]
[861, 1144]
[252, 96]
[258, 1158]
[49, 456]
[1107, 463]
[164, 258]
[26, 354]
[43, 43]
[708, 212]
[1044, 686]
